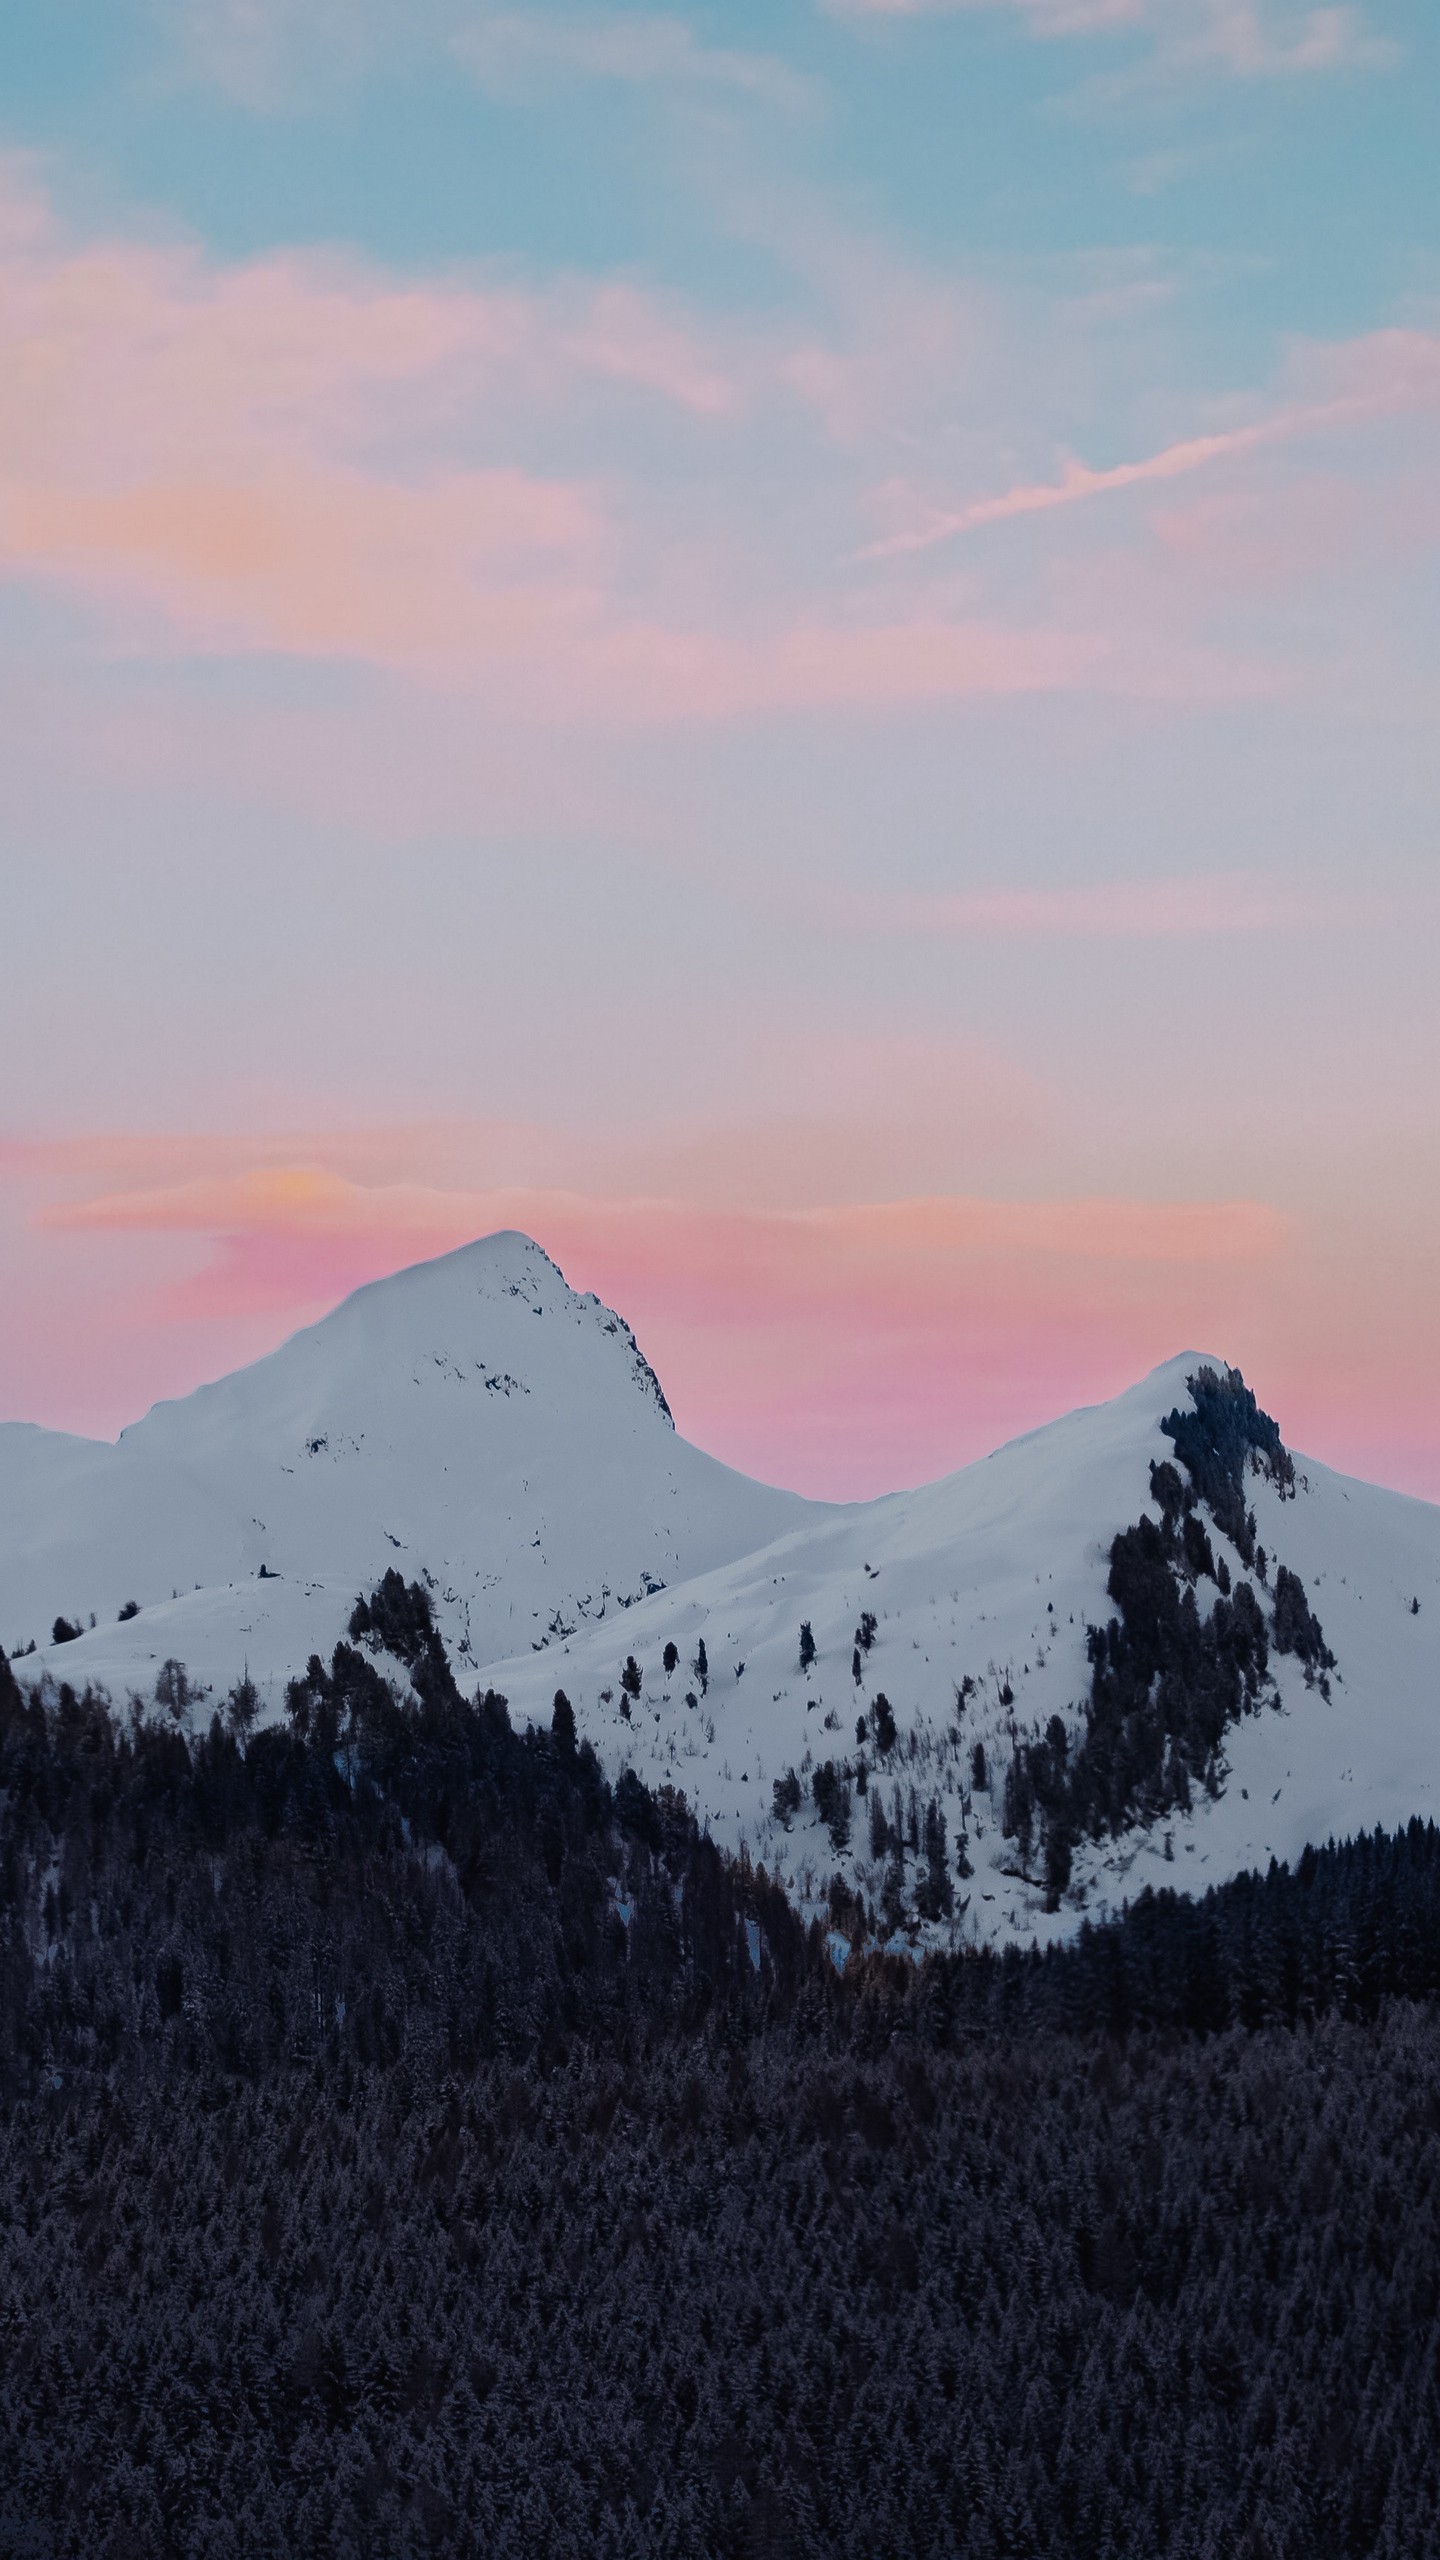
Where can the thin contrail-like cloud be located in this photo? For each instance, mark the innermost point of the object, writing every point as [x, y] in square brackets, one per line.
[1079, 482]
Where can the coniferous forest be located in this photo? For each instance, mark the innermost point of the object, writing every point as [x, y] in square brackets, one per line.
[414, 2145]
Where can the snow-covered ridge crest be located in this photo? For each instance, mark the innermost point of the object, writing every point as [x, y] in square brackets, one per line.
[934, 1714]
[875, 1705]
[472, 1419]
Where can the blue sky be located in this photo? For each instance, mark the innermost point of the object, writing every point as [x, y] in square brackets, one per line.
[769, 614]
[1283, 158]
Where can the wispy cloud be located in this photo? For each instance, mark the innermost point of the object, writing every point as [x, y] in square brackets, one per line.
[1143, 910]
[1240, 37]
[312, 1200]
[1078, 482]
[513, 50]
[1044, 17]
[262, 454]
[274, 55]
[581, 501]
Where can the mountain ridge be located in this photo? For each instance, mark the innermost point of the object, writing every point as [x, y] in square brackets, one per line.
[892, 1704]
[473, 1417]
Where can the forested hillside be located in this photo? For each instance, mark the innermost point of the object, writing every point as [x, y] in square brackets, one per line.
[413, 2145]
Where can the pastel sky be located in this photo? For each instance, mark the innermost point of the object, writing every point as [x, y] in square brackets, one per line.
[797, 647]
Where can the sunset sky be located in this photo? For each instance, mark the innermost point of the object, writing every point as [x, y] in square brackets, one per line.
[796, 647]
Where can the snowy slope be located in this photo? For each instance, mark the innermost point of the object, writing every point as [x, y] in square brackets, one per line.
[473, 1418]
[477, 1423]
[994, 1574]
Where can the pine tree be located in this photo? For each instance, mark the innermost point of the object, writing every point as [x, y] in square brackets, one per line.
[242, 1708]
[879, 1827]
[785, 1795]
[562, 1725]
[934, 1894]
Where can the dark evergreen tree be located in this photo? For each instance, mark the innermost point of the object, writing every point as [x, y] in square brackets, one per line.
[831, 1789]
[1297, 1629]
[934, 1893]
[879, 1827]
[786, 1794]
[242, 1708]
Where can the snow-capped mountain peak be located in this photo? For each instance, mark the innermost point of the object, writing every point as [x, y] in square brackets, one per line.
[473, 1419]
[1144, 1643]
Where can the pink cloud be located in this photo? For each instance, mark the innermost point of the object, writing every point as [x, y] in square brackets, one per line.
[1145, 909]
[650, 673]
[867, 1115]
[306, 458]
[299, 1199]
[844, 1347]
[628, 337]
[1044, 17]
[836, 1346]
[323, 563]
[121, 355]
[216, 444]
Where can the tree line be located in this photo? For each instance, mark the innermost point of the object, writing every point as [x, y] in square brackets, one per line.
[412, 2144]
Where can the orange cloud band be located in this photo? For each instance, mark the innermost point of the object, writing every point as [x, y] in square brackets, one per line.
[842, 1348]
[311, 1200]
